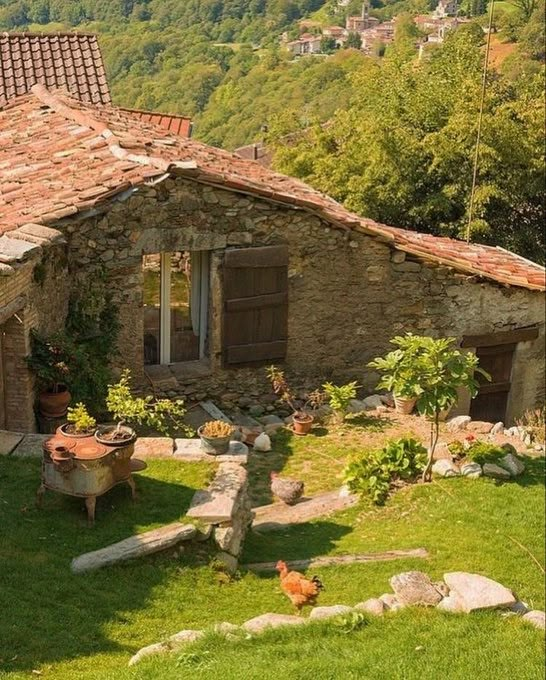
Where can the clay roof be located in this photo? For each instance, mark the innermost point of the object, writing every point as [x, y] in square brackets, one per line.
[71, 61]
[59, 156]
[178, 125]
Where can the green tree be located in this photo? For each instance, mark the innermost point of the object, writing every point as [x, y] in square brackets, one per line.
[354, 40]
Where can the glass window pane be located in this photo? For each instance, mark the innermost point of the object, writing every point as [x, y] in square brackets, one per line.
[151, 266]
[184, 308]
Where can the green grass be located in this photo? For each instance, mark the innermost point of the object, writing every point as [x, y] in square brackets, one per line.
[87, 626]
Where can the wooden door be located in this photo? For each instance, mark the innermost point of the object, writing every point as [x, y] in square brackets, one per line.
[255, 288]
[492, 399]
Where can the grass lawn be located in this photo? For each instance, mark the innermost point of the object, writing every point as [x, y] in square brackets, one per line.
[87, 626]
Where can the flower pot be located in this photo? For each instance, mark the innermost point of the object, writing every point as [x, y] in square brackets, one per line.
[404, 404]
[216, 446]
[65, 431]
[111, 435]
[54, 404]
[302, 423]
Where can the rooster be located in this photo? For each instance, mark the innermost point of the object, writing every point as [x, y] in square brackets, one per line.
[289, 491]
[300, 591]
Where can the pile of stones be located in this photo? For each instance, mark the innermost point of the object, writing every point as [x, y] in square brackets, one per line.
[458, 592]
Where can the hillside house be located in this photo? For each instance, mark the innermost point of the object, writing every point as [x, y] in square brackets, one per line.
[216, 266]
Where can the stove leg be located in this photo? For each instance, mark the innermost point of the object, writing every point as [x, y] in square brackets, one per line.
[90, 503]
[132, 484]
[40, 495]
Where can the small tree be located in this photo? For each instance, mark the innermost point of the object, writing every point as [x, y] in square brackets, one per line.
[442, 371]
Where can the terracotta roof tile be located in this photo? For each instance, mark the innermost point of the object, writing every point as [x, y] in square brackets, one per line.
[59, 156]
[178, 125]
[69, 61]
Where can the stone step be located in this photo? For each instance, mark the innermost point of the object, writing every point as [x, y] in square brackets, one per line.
[218, 503]
[135, 546]
[9, 441]
[190, 451]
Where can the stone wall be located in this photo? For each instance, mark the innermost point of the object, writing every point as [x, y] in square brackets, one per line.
[349, 293]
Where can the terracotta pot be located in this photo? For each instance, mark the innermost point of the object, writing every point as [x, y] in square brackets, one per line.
[303, 423]
[404, 404]
[54, 404]
[63, 429]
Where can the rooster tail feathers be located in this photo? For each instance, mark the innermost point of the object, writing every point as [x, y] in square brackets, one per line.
[318, 582]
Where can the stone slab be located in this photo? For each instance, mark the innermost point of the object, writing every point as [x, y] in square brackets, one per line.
[217, 504]
[330, 612]
[415, 588]
[8, 441]
[135, 546]
[475, 591]
[495, 471]
[190, 451]
[154, 447]
[14, 250]
[260, 623]
[30, 446]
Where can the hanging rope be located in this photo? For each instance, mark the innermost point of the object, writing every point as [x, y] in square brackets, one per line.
[480, 117]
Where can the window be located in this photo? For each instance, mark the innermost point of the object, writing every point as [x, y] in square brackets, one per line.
[175, 296]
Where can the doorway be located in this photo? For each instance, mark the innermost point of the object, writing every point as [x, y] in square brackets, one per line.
[491, 402]
[175, 297]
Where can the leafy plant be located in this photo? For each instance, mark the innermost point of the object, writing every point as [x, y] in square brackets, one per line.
[159, 414]
[53, 361]
[372, 474]
[286, 394]
[351, 622]
[482, 452]
[217, 428]
[339, 397]
[435, 372]
[79, 417]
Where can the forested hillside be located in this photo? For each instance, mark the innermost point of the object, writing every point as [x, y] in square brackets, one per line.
[399, 145]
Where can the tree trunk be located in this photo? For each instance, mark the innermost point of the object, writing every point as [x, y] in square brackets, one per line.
[434, 436]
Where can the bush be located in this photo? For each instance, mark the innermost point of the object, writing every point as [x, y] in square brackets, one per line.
[482, 452]
[373, 473]
[339, 397]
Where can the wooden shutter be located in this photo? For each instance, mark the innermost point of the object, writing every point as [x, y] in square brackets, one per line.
[492, 398]
[255, 285]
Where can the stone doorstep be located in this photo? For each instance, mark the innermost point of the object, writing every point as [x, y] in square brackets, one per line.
[9, 441]
[31, 446]
[218, 503]
[138, 545]
[154, 447]
[190, 451]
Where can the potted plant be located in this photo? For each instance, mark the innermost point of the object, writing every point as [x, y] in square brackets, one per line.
[401, 372]
[215, 436]
[127, 408]
[302, 419]
[80, 423]
[51, 362]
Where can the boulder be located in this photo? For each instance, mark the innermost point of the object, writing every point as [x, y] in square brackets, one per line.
[391, 602]
[442, 452]
[498, 428]
[330, 612]
[479, 427]
[513, 464]
[458, 423]
[471, 470]
[414, 588]
[495, 471]
[172, 644]
[445, 468]
[536, 618]
[262, 443]
[373, 606]
[478, 592]
[452, 603]
[357, 406]
[260, 623]
[373, 401]
[150, 650]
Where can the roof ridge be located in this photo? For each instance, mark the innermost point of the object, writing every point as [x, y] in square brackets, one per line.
[114, 143]
[45, 34]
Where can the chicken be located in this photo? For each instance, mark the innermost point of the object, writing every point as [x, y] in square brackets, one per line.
[289, 491]
[300, 590]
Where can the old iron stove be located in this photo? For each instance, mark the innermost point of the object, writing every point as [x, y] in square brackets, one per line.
[81, 466]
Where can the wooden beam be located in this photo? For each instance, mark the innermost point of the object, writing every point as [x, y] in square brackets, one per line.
[501, 338]
[257, 302]
[316, 562]
[266, 256]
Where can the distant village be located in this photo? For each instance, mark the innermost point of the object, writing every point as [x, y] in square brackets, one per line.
[369, 34]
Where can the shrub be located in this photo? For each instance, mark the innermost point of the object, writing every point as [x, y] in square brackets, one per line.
[52, 360]
[534, 422]
[373, 473]
[339, 397]
[217, 428]
[483, 452]
[79, 417]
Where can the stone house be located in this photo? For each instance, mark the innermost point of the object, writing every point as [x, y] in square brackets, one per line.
[217, 266]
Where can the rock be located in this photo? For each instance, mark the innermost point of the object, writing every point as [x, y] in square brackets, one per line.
[373, 401]
[230, 539]
[445, 468]
[479, 427]
[273, 428]
[513, 464]
[260, 623]
[391, 602]
[441, 587]
[387, 399]
[442, 452]
[256, 411]
[509, 448]
[135, 546]
[458, 423]
[150, 650]
[154, 447]
[452, 603]
[496, 472]
[471, 470]
[414, 588]
[230, 563]
[229, 630]
[271, 420]
[344, 491]
[498, 428]
[478, 592]
[330, 612]
[184, 637]
[519, 608]
[217, 504]
[512, 432]
[357, 406]
[373, 606]
[536, 618]
[262, 443]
